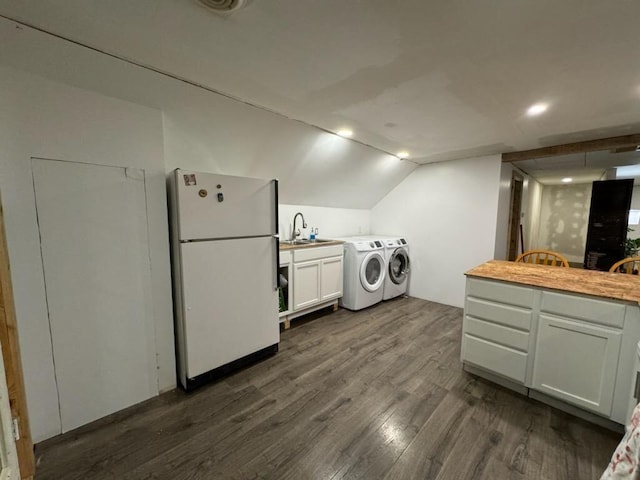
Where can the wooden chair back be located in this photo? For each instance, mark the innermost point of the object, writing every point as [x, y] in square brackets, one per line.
[629, 265]
[543, 257]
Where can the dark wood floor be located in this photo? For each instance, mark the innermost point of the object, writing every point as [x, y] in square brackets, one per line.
[374, 394]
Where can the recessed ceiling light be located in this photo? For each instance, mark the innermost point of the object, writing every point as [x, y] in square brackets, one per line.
[537, 109]
[402, 155]
[567, 180]
[345, 132]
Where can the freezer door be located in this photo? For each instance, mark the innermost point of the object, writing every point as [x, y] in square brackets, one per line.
[222, 206]
[230, 306]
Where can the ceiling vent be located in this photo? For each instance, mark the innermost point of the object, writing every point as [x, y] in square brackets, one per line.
[223, 6]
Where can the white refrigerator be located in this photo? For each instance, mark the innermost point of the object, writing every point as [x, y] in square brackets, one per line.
[225, 257]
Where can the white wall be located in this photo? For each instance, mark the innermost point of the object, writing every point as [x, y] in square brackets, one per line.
[564, 219]
[531, 208]
[503, 213]
[529, 211]
[45, 119]
[212, 133]
[447, 211]
[330, 222]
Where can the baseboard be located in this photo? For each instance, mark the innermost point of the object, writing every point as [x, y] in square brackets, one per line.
[516, 387]
[577, 412]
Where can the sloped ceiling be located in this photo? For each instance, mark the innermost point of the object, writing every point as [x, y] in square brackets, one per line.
[443, 80]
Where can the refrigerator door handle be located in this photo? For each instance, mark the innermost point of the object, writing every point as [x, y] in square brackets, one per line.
[276, 235]
[276, 242]
[275, 206]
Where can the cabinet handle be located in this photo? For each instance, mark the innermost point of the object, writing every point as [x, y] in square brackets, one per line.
[636, 389]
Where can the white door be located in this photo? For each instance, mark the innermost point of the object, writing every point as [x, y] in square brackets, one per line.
[230, 300]
[306, 284]
[331, 278]
[95, 255]
[9, 469]
[577, 362]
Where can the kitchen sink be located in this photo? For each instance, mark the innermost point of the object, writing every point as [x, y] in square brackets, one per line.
[305, 242]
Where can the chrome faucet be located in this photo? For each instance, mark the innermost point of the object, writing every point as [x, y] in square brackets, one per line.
[296, 233]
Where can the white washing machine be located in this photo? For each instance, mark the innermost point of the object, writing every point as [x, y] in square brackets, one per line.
[364, 273]
[397, 264]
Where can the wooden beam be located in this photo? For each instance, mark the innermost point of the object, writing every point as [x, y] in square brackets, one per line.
[577, 147]
[12, 360]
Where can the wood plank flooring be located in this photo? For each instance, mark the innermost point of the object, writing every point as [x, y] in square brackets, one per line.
[376, 394]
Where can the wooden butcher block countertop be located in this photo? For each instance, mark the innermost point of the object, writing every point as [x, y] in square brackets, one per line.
[616, 286]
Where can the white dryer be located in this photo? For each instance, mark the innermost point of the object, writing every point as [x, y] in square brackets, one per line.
[364, 273]
[398, 266]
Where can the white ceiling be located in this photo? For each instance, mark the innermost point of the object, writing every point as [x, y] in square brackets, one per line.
[443, 80]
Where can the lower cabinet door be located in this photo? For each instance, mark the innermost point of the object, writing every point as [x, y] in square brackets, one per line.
[331, 278]
[306, 284]
[576, 362]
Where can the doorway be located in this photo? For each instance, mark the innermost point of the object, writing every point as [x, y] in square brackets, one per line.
[515, 244]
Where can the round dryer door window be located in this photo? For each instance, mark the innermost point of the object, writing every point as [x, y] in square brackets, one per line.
[372, 272]
[399, 266]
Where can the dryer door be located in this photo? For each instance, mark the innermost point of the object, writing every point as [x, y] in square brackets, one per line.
[399, 265]
[372, 272]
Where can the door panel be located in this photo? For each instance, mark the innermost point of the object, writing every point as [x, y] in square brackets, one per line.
[577, 362]
[306, 284]
[95, 256]
[230, 300]
[331, 278]
[608, 220]
[248, 206]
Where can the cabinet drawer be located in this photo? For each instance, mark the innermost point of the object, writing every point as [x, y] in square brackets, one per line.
[500, 292]
[285, 257]
[495, 358]
[597, 311]
[505, 314]
[315, 253]
[497, 333]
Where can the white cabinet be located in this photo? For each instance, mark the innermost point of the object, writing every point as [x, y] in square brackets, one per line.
[317, 278]
[575, 348]
[577, 362]
[496, 328]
